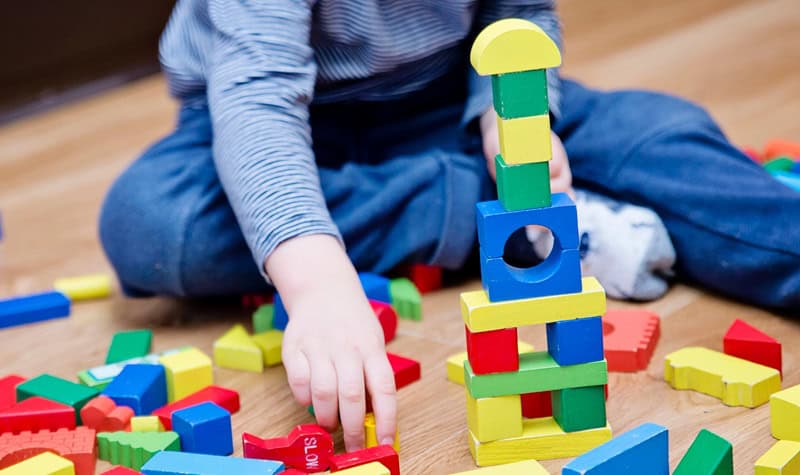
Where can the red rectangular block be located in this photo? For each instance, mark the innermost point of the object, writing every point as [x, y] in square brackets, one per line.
[384, 454]
[35, 414]
[426, 278]
[493, 351]
[747, 342]
[307, 447]
[406, 370]
[226, 398]
[629, 338]
[537, 405]
[8, 390]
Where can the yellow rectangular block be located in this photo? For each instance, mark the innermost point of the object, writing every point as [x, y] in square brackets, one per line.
[525, 140]
[46, 463]
[270, 344]
[237, 350]
[372, 468]
[784, 414]
[146, 424]
[541, 439]
[84, 287]
[187, 371]
[482, 315]
[493, 418]
[783, 458]
[455, 363]
[735, 381]
[371, 435]
[526, 467]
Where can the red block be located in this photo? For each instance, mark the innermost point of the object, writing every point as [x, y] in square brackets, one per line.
[103, 415]
[226, 398]
[426, 278]
[35, 414]
[293, 471]
[76, 445]
[387, 317]
[753, 154]
[778, 147]
[494, 351]
[537, 405]
[255, 300]
[123, 471]
[629, 339]
[749, 343]
[406, 370]
[8, 390]
[307, 447]
[384, 454]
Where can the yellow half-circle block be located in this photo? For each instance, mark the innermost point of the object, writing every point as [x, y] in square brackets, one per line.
[525, 140]
[513, 45]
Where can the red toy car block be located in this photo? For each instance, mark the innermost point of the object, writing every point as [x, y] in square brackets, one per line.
[123, 471]
[494, 351]
[778, 147]
[35, 414]
[629, 338]
[8, 390]
[426, 278]
[747, 342]
[77, 445]
[223, 397]
[384, 454]
[406, 370]
[308, 447]
[537, 405]
[387, 317]
[103, 415]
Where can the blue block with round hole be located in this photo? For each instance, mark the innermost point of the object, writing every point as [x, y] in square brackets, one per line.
[578, 341]
[559, 274]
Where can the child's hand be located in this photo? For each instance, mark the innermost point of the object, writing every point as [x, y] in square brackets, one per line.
[333, 346]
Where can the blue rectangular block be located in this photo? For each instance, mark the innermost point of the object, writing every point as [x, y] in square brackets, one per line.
[280, 318]
[576, 341]
[644, 450]
[184, 463]
[792, 180]
[375, 286]
[142, 387]
[796, 167]
[33, 308]
[204, 429]
[560, 273]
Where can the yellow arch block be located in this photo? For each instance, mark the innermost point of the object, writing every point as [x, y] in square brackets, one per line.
[513, 45]
[525, 139]
[782, 459]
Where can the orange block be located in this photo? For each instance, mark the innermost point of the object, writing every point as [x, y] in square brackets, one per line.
[103, 415]
[76, 445]
[629, 338]
[778, 147]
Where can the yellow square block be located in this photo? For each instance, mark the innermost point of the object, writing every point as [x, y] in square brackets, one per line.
[270, 344]
[84, 287]
[784, 414]
[525, 140]
[526, 467]
[783, 458]
[187, 372]
[46, 463]
[493, 418]
[371, 436]
[372, 468]
[237, 350]
[455, 363]
[146, 424]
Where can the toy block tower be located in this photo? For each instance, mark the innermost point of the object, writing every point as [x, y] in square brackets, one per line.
[573, 371]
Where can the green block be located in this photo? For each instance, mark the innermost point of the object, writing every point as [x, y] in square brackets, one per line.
[521, 94]
[580, 408]
[57, 389]
[783, 164]
[262, 318]
[523, 186]
[134, 449]
[709, 454]
[130, 344]
[537, 372]
[406, 299]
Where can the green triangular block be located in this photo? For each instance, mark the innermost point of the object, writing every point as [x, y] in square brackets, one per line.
[134, 449]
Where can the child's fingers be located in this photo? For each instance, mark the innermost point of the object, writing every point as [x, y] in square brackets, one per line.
[350, 375]
[299, 375]
[380, 382]
[324, 393]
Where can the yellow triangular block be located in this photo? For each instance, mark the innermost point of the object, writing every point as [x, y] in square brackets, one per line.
[237, 350]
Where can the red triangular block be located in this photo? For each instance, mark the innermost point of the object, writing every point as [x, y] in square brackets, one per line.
[35, 414]
[747, 342]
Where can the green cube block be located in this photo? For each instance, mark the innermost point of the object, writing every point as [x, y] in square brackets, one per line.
[521, 94]
[262, 318]
[523, 186]
[579, 408]
[406, 299]
[57, 389]
[130, 344]
[779, 164]
[709, 454]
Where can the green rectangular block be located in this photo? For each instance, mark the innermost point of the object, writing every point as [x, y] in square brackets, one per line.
[406, 299]
[262, 318]
[130, 344]
[537, 372]
[57, 389]
[521, 94]
[579, 408]
[523, 186]
[709, 454]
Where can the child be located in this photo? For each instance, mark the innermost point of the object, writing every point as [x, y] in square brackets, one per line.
[311, 128]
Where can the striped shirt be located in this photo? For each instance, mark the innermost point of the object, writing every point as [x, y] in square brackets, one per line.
[258, 64]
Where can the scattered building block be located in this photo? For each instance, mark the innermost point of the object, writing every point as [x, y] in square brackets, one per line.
[520, 94]
[749, 343]
[204, 429]
[644, 449]
[262, 318]
[752, 153]
[371, 435]
[223, 397]
[406, 299]
[455, 363]
[120, 470]
[709, 453]
[792, 180]
[375, 286]
[513, 45]
[46, 463]
[777, 147]
[525, 139]
[252, 301]
[494, 418]
[142, 387]
[522, 186]
[535, 405]
[493, 351]
[134, 449]
[183, 463]
[187, 372]
[735, 381]
[146, 424]
[56, 389]
[308, 447]
[406, 370]
[784, 414]
[103, 415]
[8, 390]
[33, 308]
[237, 350]
[630, 337]
[783, 458]
[560, 273]
[387, 318]
[35, 414]
[372, 468]
[383, 454]
[128, 345]
[525, 467]
[270, 343]
[99, 376]
[280, 316]
[426, 278]
[577, 341]
[579, 408]
[76, 445]
[84, 287]
[784, 164]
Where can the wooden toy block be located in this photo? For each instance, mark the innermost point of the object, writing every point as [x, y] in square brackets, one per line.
[426, 278]
[480, 314]
[784, 164]
[494, 418]
[204, 429]
[578, 409]
[223, 397]
[46, 463]
[525, 467]
[525, 140]
[308, 447]
[146, 424]
[406, 370]
[493, 352]
[777, 147]
[630, 337]
[537, 372]
[187, 372]
[270, 343]
[560, 273]
[784, 414]
[121, 471]
[253, 301]
[387, 318]
[541, 439]
[128, 345]
[76, 445]
[455, 363]
[523, 186]
[184, 463]
[100, 376]
[375, 286]
[520, 94]
[262, 318]
[134, 449]
[372, 468]
[56, 389]
[103, 415]
[783, 458]
[142, 387]
[406, 299]
[371, 435]
[535, 405]
[709, 454]
[280, 316]
[735, 381]
[792, 180]
[8, 390]
[575, 341]
[33, 308]
[749, 343]
[644, 449]
[383, 454]
[35, 414]
[513, 45]
[84, 287]
[237, 350]
[752, 153]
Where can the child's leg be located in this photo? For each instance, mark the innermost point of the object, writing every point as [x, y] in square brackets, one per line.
[734, 228]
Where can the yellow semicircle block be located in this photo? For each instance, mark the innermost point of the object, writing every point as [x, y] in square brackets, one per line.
[513, 45]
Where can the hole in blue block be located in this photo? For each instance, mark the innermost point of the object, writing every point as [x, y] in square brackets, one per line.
[522, 258]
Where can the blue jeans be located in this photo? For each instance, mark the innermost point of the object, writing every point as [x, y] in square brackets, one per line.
[401, 180]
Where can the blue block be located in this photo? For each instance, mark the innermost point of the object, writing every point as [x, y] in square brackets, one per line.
[560, 273]
[376, 287]
[142, 387]
[576, 341]
[33, 308]
[204, 429]
[183, 463]
[796, 167]
[644, 450]
[792, 180]
[280, 318]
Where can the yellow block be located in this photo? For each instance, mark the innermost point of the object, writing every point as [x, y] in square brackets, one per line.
[735, 381]
[372, 468]
[371, 435]
[481, 315]
[784, 414]
[237, 350]
[526, 467]
[187, 372]
[542, 439]
[493, 418]
[513, 45]
[455, 363]
[525, 140]
[46, 463]
[782, 459]
[84, 287]
[146, 424]
[269, 343]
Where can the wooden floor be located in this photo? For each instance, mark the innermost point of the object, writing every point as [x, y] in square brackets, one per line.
[739, 58]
